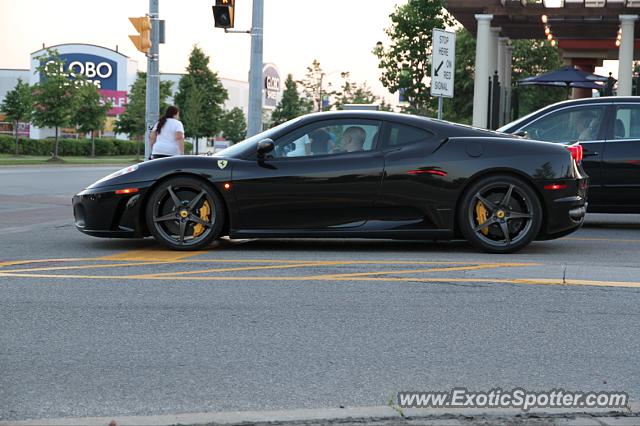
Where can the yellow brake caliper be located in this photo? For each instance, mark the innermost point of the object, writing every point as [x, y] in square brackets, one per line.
[205, 211]
[482, 216]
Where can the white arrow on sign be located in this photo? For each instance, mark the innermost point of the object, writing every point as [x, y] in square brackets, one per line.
[443, 63]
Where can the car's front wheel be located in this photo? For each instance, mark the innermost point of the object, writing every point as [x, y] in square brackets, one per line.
[500, 214]
[185, 213]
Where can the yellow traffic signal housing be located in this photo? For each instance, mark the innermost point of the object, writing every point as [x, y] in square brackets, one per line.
[223, 14]
[142, 41]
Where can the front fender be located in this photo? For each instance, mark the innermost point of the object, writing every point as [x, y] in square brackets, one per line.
[212, 169]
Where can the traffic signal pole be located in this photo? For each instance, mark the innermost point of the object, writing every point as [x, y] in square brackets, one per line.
[153, 77]
[254, 126]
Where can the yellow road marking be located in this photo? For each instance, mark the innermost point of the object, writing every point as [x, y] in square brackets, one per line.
[245, 268]
[158, 257]
[151, 254]
[352, 262]
[410, 271]
[522, 281]
[62, 268]
[27, 262]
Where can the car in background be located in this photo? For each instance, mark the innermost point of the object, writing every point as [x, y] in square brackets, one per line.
[608, 128]
[350, 174]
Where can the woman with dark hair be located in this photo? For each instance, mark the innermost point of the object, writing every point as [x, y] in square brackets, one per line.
[167, 136]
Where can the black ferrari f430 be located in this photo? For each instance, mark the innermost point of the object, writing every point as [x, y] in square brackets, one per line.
[355, 174]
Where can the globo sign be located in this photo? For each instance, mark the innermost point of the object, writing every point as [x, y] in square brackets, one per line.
[98, 70]
[271, 85]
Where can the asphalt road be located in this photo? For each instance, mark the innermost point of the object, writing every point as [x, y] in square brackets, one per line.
[92, 327]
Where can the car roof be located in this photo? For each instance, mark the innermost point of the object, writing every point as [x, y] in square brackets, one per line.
[601, 100]
[597, 100]
[416, 120]
[366, 114]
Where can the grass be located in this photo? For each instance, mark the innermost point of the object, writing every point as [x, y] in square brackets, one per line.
[12, 160]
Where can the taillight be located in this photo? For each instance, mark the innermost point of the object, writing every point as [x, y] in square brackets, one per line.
[576, 152]
[555, 187]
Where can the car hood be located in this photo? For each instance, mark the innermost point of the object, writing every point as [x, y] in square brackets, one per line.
[212, 168]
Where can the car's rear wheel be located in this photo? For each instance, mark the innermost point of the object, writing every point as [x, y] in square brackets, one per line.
[500, 214]
[185, 213]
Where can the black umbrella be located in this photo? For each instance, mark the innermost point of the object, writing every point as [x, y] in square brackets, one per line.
[565, 77]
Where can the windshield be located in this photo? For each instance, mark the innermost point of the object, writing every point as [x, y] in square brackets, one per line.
[514, 124]
[240, 147]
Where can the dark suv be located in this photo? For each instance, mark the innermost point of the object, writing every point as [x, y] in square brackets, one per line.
[608, 128]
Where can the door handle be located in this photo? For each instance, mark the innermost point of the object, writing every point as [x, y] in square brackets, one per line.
[589, 153]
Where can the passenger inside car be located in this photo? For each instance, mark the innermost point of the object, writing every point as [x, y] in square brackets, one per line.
[352, 139]
[587, 127]
[320, 142]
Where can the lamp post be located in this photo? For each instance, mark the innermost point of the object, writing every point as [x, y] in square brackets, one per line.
[254, 125]
[322, 76]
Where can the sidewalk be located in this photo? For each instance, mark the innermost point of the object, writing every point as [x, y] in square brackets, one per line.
[377, 415]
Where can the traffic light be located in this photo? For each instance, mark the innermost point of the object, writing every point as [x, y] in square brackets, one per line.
[223, 13]
[142, 41]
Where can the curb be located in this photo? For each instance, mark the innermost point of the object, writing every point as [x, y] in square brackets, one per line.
[374, 413]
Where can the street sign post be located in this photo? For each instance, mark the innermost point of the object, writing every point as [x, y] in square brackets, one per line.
[443, 65]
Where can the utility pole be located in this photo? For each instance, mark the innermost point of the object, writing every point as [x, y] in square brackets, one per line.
[153, 77]
[254, 126]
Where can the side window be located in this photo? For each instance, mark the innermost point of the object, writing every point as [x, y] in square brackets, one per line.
[329, 138]
[627, 122]
[567, 125]
[401, 134]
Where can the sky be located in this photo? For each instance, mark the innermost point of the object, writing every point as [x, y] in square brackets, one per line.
[340, 35]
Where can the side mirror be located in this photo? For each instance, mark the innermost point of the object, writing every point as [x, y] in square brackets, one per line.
[265, 146]
[521, 133]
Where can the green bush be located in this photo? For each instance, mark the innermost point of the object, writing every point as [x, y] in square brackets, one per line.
[69, 147]
[7, 144]
[35, 147]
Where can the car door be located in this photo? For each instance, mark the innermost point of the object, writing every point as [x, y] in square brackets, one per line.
[621, 157]
[408, 186]
[584, 124]
[309, 181]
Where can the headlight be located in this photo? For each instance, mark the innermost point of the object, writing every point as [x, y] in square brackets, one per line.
[124, 171]
[120, 172]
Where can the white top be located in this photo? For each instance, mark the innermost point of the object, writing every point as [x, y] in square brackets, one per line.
[166, 143]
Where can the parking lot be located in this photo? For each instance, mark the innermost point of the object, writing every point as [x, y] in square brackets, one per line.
[100, 327]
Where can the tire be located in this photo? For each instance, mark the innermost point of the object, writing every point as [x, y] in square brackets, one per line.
[500, 214]
[176, 214]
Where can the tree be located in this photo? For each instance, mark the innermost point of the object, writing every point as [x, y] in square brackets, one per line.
[132, 121]
[55, 96]
[404, 63]
[91, 113]
[291, 105]
[202, 96]
[234, 126]
[18, 105]
[353, 93]
[192, 113]
[312, 85]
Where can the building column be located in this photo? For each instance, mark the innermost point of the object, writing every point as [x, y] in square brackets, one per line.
[502, 58]
[508, 65]
[482, 71]
[493, 55]
[625, 70]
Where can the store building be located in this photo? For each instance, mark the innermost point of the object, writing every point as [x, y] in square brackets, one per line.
[114, 73]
